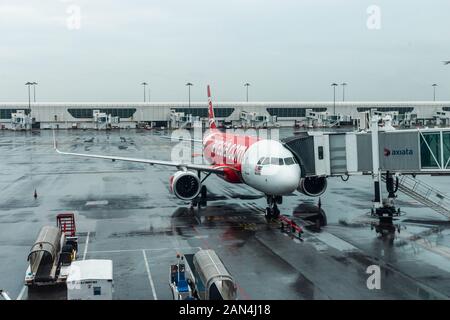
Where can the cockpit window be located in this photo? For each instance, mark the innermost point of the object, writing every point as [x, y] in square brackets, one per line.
[274, 161]
[289, 161]
[260, 160]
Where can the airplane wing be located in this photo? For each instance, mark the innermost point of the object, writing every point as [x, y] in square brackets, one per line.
[174, 139]
[178, 165]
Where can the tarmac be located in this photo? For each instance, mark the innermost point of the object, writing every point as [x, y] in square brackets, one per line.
[125, 212]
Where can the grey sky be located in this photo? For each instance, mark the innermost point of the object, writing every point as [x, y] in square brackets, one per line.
[286, 49]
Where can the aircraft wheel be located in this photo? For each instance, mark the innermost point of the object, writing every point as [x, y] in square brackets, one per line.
[276, 212]
[278, 199]
[268, 214]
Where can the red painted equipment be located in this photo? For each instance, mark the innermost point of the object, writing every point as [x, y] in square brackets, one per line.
[289, 226]
[66, 223]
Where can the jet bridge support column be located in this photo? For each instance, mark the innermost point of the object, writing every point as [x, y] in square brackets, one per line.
[376, 161]
[383, 209]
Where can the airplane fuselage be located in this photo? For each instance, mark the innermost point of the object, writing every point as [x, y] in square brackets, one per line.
[265, 165]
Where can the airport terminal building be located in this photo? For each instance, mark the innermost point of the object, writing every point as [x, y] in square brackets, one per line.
[161, 114]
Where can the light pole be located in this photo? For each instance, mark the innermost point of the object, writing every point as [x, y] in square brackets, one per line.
[343, 84]
[189, 85]
[144, 84]
[247, 85]
[434, 85]
[334, 85]
[29, 95]
[34, 90]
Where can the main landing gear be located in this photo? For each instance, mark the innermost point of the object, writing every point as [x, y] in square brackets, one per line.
[200, 200]
[272, 211]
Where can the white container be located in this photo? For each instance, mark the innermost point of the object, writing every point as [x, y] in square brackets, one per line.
[90, 280]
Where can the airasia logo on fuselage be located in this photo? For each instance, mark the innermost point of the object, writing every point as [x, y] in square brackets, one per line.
[226, 149]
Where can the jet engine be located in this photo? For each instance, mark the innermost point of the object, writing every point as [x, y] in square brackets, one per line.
[185, 185]
[313, 186]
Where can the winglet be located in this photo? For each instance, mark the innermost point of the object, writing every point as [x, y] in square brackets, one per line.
[212, 120]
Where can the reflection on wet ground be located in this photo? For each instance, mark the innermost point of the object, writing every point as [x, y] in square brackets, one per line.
[125, 209]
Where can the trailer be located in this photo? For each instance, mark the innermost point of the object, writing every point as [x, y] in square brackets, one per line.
[201, 276]
[52, 253]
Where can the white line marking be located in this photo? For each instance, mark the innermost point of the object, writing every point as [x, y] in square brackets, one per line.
[151, 249]
[22, 292]
[97, 203]
[335, 242]
[86, 245]
[149, 276]
[201, 237]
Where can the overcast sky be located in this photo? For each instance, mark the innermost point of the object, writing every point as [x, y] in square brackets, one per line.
[288, 50]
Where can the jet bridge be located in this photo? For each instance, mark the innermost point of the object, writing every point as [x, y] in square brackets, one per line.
[384, 153]
[411, 151]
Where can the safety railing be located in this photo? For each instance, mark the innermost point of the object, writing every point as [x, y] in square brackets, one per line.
[425, 194]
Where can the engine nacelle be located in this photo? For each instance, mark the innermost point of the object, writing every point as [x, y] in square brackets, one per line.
[313, 186]
[185, 185]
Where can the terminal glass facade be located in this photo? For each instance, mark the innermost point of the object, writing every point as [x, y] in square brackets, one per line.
[203, 112]
[430, 150]
[6, 113]
[446, 145]
[401, 110]
[86, 113]
[292, 112]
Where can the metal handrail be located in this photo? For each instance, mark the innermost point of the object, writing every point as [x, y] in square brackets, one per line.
[425, 194]
[422, 186]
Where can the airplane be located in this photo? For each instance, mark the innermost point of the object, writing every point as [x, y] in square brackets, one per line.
[265, 165]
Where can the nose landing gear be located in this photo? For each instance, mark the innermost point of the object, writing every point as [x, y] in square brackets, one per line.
[272, 211]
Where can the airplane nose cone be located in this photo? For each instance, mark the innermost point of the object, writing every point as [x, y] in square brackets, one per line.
[293, 178]
[288, 179]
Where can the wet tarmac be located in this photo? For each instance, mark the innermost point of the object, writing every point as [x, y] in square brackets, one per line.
[124, 212]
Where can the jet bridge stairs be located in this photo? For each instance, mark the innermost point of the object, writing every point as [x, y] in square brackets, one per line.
[424, 193]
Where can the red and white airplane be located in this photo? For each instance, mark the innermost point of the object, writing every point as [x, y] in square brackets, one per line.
[263, 164]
